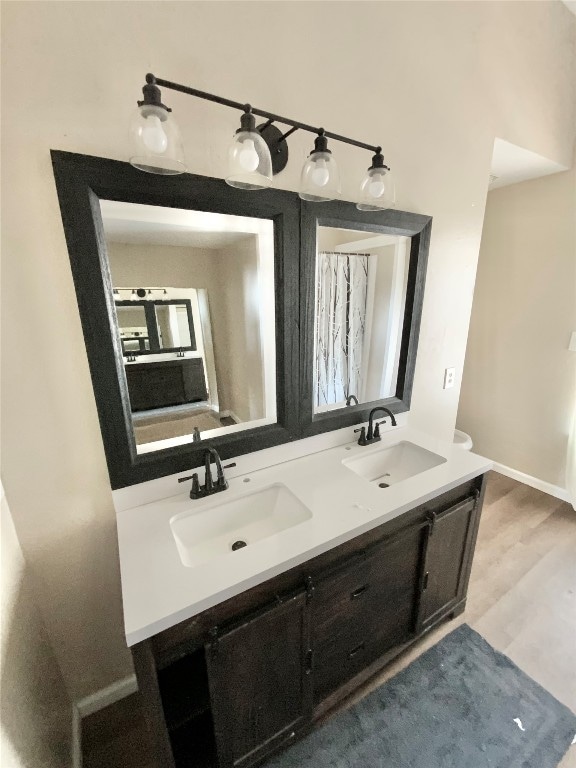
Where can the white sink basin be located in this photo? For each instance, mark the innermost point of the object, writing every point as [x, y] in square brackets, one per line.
[389, 466]
[212, 531]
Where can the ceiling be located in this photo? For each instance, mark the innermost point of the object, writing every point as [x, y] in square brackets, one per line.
[511, 164]
[136, 224]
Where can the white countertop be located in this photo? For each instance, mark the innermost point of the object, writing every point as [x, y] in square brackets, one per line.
[159, 591]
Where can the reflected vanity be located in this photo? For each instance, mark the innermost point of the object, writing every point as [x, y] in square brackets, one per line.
[195, 314]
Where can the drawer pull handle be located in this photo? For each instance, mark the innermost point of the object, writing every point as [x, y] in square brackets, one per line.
[358, 592]
[356, 650]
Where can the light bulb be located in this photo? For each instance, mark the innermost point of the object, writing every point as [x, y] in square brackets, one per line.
[320, 174]
[376, 187]
[248, 156]
[153, 135]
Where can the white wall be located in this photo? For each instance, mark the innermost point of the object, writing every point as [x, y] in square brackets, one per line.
[441, 81]
[519, 386]
[35, 711]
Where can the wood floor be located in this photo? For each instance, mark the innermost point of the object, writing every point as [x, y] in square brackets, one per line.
[522, 600]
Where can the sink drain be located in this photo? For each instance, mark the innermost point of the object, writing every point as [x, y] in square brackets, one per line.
[238, 545]
[383, 485]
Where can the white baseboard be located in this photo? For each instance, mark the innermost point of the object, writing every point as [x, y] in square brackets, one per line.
[76, 738]
[533, 482]
[106, 696]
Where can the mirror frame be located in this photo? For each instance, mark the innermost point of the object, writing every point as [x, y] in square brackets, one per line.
[81, 181]
[344, 215]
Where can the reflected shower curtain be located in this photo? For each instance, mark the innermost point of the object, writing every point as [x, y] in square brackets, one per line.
[341, 291]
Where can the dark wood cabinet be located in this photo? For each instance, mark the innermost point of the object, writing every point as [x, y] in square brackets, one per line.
[240, 681]
[162, 383]
[260, 682]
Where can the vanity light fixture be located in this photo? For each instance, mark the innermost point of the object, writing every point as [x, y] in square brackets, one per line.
[139, 293]
[256, 152]
[320, 180]
[156, 143]
[377, 192]
[249, 160]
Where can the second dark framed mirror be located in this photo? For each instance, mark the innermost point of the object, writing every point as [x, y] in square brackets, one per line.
[362, 286]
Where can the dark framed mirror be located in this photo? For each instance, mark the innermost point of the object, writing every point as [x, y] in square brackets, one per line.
[233, 255]
[362, 286]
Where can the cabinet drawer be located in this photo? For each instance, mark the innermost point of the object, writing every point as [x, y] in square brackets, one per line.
[339, 600]
[335, 663]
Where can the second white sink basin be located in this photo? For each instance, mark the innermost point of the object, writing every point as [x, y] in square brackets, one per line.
[228, 525]
[389, 466]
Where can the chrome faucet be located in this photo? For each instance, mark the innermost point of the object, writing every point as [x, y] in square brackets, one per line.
[373, 434]
[210, 486]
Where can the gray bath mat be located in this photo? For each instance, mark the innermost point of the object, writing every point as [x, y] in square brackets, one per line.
[459, 705]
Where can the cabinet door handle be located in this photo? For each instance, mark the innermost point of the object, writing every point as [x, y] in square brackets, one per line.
[358, 592]
[356, 650]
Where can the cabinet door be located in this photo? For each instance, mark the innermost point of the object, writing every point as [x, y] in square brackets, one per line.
[447, 542]
[260, 682]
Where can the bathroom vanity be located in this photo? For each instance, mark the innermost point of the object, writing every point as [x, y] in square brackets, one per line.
[252, 612]
[239, 653]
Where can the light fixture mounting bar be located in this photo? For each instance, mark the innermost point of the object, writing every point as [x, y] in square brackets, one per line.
[260, 112]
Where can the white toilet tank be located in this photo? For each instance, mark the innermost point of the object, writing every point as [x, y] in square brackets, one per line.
[462, 440]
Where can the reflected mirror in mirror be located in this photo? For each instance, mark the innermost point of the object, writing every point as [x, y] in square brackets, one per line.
[132, 328]
[361, 280]
[174, 330]
[195, 320]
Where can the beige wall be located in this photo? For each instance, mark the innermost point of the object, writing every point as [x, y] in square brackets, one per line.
[35, 711]
[236, 326]
[446, 79]
[160, 265]
[519, 386]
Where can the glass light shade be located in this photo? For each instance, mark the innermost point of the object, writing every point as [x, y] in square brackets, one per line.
[156, 142]
[320, 178]
[378, 191]
[249, 161]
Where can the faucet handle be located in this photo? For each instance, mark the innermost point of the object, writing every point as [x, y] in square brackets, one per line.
[195, 490]
[377, 427]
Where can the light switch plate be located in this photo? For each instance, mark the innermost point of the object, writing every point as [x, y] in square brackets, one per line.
[449, 376]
